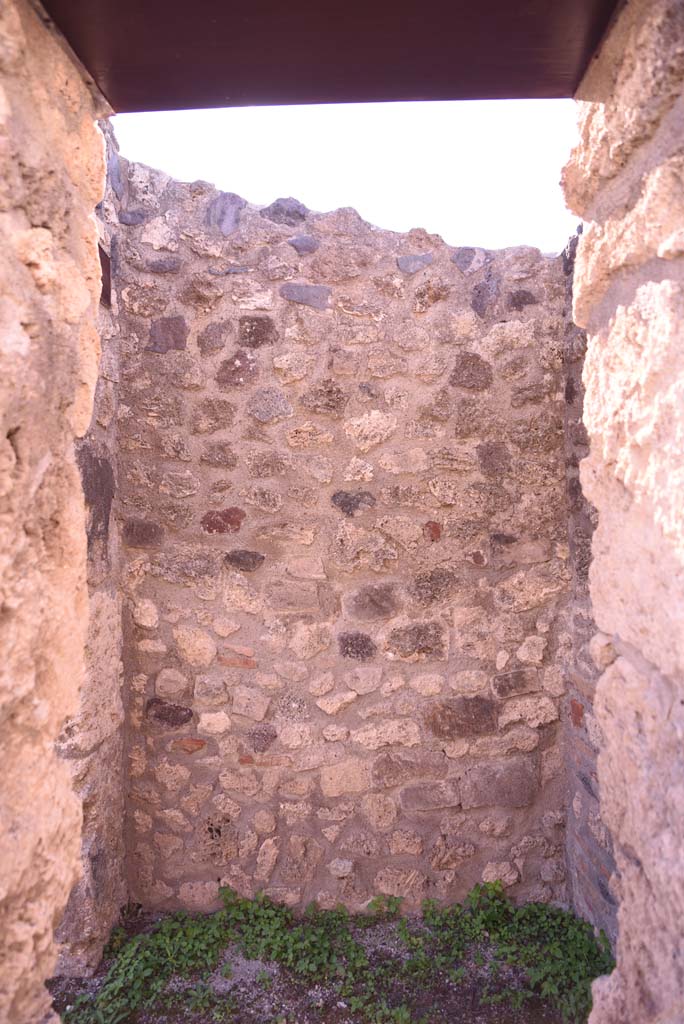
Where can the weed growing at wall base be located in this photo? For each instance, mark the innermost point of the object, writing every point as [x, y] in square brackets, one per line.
[518, 954]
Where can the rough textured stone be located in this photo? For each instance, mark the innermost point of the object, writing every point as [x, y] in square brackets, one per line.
[463, 716]
[432, 796]
[140, 533]
[238, 370]
[244, 560]
[304, 244]
[510, 783]
[357, 646]
[315, 295]
[267, 404]
[212, 338]
[623, 179]
[371, 429]
[412, 264]
[224, 520]
[398, 767]
[168, 334]
[326, 398]
[351, 502]
[195, 646]
[374, 601]
[256, 331]
[423, 641]
[285, 211]
[472, 372]
[223, 212]
[165, 714]
[522, 680]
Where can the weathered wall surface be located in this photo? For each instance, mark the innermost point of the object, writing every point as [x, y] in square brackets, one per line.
[92, 739]
[625, 178]
[343, 514]
[590, 863]
[51, 177]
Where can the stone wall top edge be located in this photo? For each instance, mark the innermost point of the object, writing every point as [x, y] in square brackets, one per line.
[201, 190]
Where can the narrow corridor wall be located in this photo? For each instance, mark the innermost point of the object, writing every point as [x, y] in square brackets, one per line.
[626, 179]
[51, 178]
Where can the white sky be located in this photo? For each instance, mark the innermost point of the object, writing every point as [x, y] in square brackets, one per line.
[477, 173]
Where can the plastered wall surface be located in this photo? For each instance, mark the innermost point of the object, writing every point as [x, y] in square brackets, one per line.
[625, 179]
[51, 177]
[342, 508]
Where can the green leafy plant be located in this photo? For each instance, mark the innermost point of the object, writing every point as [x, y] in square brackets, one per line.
[553, 954]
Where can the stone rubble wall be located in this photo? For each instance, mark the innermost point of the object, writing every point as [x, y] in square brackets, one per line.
[343, 517]
[589, 857]
[625, 178]
[51, 178]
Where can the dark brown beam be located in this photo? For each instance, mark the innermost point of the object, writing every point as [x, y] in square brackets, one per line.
[176, 54]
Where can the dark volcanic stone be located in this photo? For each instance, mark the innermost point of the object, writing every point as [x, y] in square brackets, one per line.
[238, 370]
[433, 585]
[174, 716]
[114, 173]
[286, 211]
[213, 338]
[374, 601]
[315, 295]
[223, 212]
[140, 533]
[163, 265]
[133, 217]
[485, 295]
[255, 331]
[510, 783]
[502, 539]
[471, 371]
[494, 458]
[260, 737]
[463, 257]
[97, 480]
[223, 520]
[462, 716]
[326, 398]
[518, 300]
[304, 244]
[170, 333]
[245, 561]
[412, 264]
[351, 502]
[421, 640]
[357, 646]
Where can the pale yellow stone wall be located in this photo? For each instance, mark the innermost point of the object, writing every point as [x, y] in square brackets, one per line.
[626, 179]
[51, 177]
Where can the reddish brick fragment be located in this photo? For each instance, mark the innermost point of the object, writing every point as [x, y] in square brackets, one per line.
[223, 520]
[432, 531]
